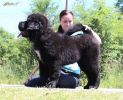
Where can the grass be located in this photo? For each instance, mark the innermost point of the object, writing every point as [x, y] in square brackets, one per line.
[8, 77]
[113, 79]
[17, 93]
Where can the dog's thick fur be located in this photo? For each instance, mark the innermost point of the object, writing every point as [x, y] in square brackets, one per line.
[56, 50]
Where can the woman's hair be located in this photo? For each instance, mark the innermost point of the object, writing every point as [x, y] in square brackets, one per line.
[63, 12]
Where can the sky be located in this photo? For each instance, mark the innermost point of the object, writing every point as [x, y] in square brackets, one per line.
[11, 15]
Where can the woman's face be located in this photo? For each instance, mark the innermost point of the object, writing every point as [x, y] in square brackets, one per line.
[66, 21]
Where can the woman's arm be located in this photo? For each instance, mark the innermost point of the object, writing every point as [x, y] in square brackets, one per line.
[97, 37]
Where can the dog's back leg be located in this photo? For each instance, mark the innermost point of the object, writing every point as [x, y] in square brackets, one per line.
[90, 66]
[92, 73]
[93, 77]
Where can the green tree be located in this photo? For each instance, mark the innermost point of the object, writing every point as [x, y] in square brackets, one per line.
[15, 54]
[46, 7]
[5, 39]
[108, 25]
[119, 5]
[40, 6]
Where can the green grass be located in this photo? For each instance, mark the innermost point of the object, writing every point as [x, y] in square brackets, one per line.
[113, 79]
[7, 76]
[18, 93]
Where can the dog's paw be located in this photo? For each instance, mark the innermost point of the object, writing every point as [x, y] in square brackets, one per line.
[90, 87]
[51, 84]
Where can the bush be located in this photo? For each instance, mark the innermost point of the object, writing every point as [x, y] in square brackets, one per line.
[16, 56]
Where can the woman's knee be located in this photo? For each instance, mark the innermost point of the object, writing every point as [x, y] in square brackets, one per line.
[68, 81]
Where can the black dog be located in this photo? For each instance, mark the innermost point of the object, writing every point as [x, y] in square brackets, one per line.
[56, 50]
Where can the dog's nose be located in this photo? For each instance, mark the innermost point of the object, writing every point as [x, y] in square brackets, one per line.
[21, 26]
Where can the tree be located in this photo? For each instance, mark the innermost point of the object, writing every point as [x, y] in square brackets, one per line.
[47, 8]
[15, 54]
[119, 5]
[101, 18]
[108, 25]
[40, 6]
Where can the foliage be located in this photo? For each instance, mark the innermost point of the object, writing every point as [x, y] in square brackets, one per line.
[40, 6]
[113, 77]
[6, 43]
[17, 58]
[108, 25]
[119, 5]
[46, 7]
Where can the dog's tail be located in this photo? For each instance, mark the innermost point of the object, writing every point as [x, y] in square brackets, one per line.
[79, 27]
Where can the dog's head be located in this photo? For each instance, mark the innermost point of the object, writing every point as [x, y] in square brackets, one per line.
[34, 24]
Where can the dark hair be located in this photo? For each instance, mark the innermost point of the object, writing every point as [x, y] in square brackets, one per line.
[60, 30]
[63, 12]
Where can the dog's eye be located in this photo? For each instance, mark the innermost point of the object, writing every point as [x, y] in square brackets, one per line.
[28, 19]
[36, 21]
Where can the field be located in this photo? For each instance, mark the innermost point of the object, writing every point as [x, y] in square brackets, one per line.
[24, 93]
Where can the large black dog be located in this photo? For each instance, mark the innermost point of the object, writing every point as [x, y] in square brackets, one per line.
[55, 50]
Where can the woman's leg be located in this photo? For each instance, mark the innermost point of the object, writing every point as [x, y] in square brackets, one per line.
[68, 81]
[36, 82]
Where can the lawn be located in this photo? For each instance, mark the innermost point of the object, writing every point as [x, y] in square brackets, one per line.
[24, 93]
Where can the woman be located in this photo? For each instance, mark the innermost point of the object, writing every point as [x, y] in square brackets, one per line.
[66, 20]
[69, 73]
[72, 70]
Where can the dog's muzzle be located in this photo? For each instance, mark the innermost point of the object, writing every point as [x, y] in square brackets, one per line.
[22, 27]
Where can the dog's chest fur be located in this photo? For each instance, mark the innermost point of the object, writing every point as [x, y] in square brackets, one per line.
[38, 55]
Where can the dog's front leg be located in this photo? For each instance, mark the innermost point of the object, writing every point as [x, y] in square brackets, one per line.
[51, 84]
[54, 77]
